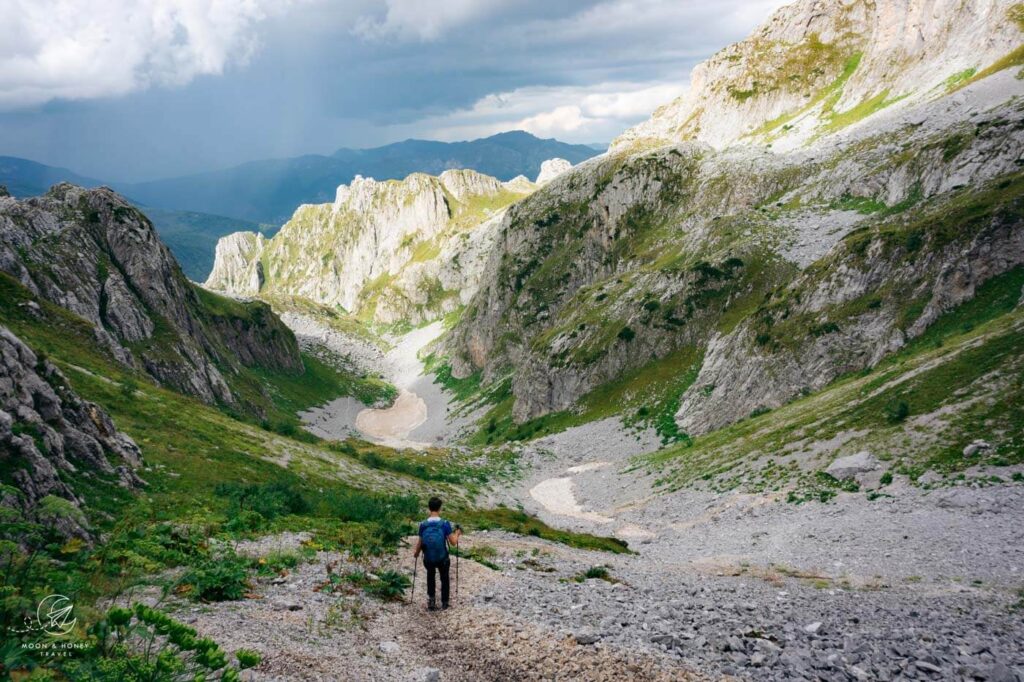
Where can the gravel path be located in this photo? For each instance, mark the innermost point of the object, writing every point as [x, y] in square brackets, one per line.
[304, 632]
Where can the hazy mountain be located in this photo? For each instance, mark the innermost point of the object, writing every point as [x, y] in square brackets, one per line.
[25, 178]
[268, 191]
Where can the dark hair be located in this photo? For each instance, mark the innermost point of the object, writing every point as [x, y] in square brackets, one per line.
[434, 504]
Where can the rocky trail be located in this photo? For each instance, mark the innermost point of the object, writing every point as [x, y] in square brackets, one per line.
[686, 605]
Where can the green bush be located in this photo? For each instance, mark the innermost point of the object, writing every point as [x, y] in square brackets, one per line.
[247, 658]
[269, 500]
[143, 643]
[390, 586]
[896, 411]
[626, 334]
[886, 478]
[276, 562]
[595, 573]
[217, 578]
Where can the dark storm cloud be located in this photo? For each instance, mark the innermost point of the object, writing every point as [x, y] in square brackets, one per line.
[315, 76]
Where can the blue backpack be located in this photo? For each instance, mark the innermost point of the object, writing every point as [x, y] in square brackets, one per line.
[435, 543]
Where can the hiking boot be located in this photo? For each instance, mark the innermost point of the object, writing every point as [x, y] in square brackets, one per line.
[431, 605]
[444, 605]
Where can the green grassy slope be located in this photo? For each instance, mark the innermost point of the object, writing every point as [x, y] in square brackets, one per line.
[916, 410]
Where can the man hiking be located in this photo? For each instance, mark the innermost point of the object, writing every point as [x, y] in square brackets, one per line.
[435, 536]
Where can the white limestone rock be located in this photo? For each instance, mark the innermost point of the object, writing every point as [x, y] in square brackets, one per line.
[551, 169]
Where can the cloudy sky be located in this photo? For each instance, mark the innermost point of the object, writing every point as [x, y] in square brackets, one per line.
[139, 89]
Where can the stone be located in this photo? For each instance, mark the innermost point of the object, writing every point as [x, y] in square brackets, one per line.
[1000, 672]
[430, 675]
[389, 647]
[813, 628]
[928, 667]
[975, 447]
[850, 466]
[586, 637]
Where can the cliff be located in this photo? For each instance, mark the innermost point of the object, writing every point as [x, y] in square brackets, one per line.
[387, 251]
[92, 253]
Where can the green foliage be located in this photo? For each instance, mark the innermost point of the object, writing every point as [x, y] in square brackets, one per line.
[217, 577]
[387, 585]
[626, 334]
[864, 205]
[524, 524]
[144, 644]
[886, 478]
[953, 145]
[482, 554]
[896, 411]
[276, 563]
[654, 388]
[247, 658]
[252, 506]
[428, 465]
[860, 111]
[595, 573]
[463, 389]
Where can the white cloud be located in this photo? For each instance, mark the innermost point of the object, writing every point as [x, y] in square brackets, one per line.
[421, 20]
[573, 113]
[53, 49]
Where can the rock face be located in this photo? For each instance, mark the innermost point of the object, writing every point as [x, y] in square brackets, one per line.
[409, 249]
[92, 253]
[818, 66]
[47, 430]
[779, 271]
[551, 169]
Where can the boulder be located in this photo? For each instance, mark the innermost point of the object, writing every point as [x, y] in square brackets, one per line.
[849, 467]
[977, 446]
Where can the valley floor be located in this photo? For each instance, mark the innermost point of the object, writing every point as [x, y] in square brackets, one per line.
[915, 583]
[699, 604]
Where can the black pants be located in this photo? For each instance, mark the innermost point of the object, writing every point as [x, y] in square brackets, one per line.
[442, 568]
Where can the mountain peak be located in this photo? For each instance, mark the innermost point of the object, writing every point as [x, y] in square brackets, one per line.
[816, 67]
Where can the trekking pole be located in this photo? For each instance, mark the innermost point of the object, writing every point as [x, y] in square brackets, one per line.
[457, 553]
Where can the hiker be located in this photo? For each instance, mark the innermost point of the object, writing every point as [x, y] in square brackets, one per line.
[435, 536]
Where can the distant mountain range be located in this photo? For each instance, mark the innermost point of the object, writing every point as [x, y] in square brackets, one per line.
[269, 191]
[192, 212]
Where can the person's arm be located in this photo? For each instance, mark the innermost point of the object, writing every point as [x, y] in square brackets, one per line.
[419, 548]
[453, 539]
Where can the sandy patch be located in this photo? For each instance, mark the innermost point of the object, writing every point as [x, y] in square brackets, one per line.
[631, 531]
[556, 495]
[590, 466]
[395, 422]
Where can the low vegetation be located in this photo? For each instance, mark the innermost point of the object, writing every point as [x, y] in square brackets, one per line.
[504, 518]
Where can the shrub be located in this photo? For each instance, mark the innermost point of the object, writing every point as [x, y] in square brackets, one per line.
[896, 411]
[595, 573]
[217, 578]
[144, 643]
[886, 478]
[269, 500]
[247, 658]
[387, 586]
[626, 334]
[390, 586]
[276, 562]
